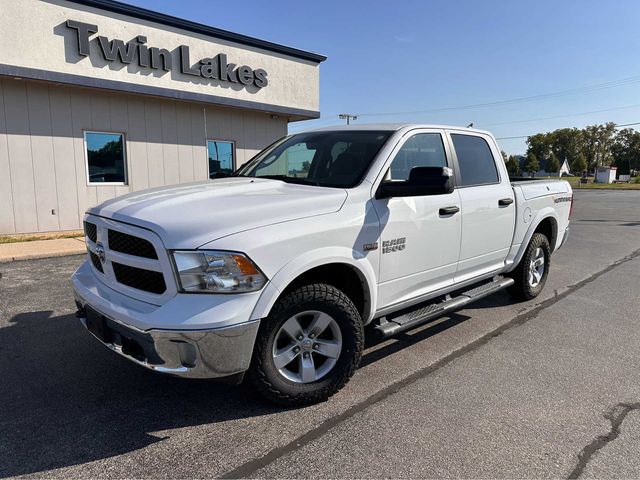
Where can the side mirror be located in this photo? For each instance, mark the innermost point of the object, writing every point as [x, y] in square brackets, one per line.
[422, 181]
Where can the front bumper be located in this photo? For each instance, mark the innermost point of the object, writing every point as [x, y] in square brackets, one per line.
[220, 352]
[215, 339]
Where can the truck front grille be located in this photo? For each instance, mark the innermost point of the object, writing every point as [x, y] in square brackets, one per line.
[139, 278]
[97, 264]
[91, 231]
[125, 243]
[130, 259]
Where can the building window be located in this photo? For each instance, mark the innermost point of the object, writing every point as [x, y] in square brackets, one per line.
[221, 157]
[105, 157]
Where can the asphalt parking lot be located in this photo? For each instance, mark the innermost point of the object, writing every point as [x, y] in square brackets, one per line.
[547, 388]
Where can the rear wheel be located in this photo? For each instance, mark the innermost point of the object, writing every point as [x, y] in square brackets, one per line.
[308, 347]
[531, 273]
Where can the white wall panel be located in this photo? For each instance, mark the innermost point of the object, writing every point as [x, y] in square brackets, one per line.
[155, 160]
[199, 142]
[64, 157]
[185, 149]
[170, 143]
[44, 173]
[20, 160]
[7, 223]
[137, 144]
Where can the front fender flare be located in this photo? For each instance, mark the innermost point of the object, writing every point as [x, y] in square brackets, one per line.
[316, 258]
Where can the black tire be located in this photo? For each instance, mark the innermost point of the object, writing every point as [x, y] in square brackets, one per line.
[522, 288]
[264, 375]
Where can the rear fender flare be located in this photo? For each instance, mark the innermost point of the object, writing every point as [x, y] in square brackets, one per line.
[547, 212]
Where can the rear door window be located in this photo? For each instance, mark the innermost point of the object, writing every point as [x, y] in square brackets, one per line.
[475, 160]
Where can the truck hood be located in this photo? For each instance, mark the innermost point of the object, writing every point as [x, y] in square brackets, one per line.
[190, 215]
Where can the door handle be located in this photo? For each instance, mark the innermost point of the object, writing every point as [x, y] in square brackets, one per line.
[503, 202]
[449, 210]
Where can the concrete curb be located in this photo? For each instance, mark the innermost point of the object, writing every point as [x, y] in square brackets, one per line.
[60, 247]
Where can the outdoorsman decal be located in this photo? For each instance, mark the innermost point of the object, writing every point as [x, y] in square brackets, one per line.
[136, 51]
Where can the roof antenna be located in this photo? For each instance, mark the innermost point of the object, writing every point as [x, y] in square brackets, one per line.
[470, 125]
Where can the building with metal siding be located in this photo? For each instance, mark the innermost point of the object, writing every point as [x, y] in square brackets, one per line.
[79, 127]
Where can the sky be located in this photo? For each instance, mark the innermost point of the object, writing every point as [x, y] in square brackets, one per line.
[454, 62]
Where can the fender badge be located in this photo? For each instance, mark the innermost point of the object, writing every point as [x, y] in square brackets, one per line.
[367, 247]
[394, 245]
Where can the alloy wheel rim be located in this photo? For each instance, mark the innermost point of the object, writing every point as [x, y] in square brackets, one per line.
[536, 268]
[307, 346]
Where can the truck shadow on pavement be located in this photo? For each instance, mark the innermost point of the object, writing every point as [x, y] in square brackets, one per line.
[379, 349]
[66, 400]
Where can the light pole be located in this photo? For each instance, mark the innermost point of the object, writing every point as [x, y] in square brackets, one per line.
[347, 117]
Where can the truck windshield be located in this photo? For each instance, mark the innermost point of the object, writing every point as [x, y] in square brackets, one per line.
[327, 159]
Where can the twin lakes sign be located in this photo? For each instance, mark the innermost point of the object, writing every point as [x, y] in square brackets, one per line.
[215, 68]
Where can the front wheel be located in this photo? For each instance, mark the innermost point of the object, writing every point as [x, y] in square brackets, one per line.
[308, 347]
[531, 273]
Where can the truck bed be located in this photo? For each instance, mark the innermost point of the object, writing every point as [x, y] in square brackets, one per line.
[541, 187]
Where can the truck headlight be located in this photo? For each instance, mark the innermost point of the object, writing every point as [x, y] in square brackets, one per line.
[213, 271]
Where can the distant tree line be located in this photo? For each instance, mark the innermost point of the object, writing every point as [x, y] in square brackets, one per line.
[584, 149]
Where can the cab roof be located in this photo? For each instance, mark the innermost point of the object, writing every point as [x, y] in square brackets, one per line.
[393, 127]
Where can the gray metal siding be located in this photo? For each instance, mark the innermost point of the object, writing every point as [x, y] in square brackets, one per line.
[6, 190]
[20, 159]
[64, 159]
[42, 153]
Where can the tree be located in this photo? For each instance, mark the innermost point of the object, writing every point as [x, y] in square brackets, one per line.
[553, 164]
[597, 142]
[532, 165]
[539, 145]
[626, 151]
[513, 167]
[589, 148]
[566, 143]
[579, 164]
[504, 155]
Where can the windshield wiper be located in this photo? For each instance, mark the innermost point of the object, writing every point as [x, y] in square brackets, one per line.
[287, 179]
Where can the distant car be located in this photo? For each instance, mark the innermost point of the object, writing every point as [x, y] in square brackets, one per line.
[276, 270]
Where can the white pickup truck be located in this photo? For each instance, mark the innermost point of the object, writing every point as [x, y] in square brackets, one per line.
[276, 270]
